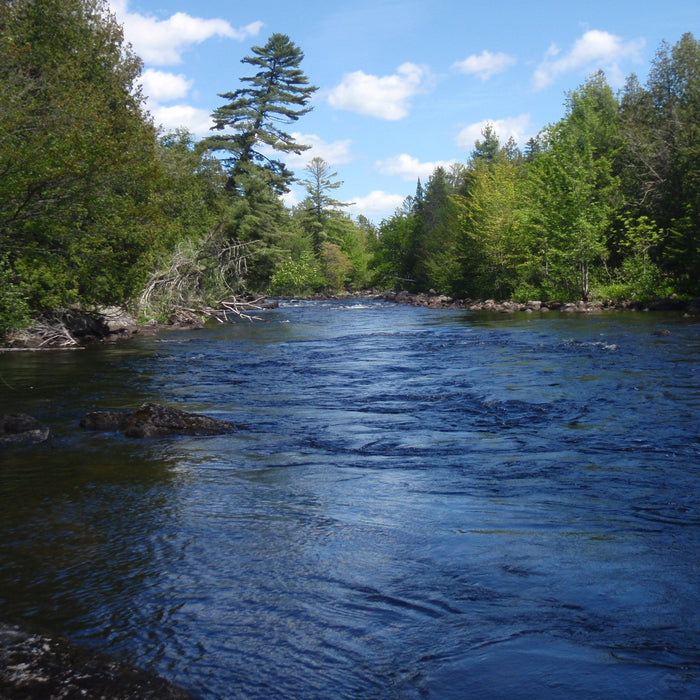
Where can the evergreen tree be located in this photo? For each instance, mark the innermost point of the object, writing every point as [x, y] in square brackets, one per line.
[319, 205]
[574, 192]
[278, 93]
[437, 265]
[487, 149]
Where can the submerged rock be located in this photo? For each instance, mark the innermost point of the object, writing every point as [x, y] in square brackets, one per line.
[155, 420]
[20, 428]
[44, 666]
[105, 421]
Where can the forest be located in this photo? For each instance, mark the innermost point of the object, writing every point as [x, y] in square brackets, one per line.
[99, 207]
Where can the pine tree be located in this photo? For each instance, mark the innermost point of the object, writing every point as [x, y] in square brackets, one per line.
[278, 93]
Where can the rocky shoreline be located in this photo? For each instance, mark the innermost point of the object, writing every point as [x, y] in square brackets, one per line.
[439, 301]
[74, 328]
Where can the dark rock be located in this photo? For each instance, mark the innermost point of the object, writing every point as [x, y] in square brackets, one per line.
[84, 326]
[105, 421]
[155, 420]
[44, 666]
[20, 428]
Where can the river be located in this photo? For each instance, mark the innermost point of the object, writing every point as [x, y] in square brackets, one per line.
[424, 504]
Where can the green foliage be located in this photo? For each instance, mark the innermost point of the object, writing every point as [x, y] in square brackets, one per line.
[492, 224]
[318, 186]
[393, 252]
[335, 265]
[660, 158]
[14, 310]
[77, 155]
[573, 191]
[95, 207]
[604, 202]
[278, 93]
[297, 277]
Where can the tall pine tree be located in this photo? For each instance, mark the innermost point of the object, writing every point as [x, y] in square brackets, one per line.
[277, 94]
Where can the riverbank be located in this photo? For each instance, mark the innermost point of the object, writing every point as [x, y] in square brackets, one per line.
[434, 300]
[439, 301]
[74, 328]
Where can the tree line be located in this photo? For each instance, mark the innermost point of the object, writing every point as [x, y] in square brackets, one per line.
[603, 203]
[99, 207]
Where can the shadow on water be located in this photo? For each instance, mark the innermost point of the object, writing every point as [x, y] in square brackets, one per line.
[426, 504]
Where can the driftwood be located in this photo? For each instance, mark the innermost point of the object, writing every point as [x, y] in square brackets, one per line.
[44, 333]
[196, 272]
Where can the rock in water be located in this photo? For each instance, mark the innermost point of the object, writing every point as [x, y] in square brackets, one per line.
[43, 666]
[156, 420]
[21, 428]
[106, 421]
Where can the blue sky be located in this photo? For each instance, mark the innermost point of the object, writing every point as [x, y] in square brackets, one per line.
[403, 86]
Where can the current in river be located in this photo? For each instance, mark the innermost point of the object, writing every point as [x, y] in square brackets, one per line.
[420, 504]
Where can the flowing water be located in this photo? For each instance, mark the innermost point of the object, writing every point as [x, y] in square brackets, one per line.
[423, 504]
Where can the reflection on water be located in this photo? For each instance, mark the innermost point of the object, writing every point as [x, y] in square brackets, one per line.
[425, 504]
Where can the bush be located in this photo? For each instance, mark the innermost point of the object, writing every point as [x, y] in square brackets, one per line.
[296, 277]
[638, 280]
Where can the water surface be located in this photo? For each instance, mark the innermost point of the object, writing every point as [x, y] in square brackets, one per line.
[425, 504]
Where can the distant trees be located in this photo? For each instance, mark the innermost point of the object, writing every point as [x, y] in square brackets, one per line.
[574, 192]
[328, 249]
[659, 160]
[251, 137]
[604, 202]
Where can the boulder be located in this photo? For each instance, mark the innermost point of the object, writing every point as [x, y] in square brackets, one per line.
[34, 665]
[20, 428]
[105, 421]
[118, 322]
[155, 420]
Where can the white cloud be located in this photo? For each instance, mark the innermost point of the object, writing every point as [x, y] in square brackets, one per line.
[376, 205]
[161, 42]
[334, 153]
[290, 199]
[595, 49]
[408, 167]
[486, 65]
[386, 97]
[519, 128]
[159, 86]
[196, 121]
